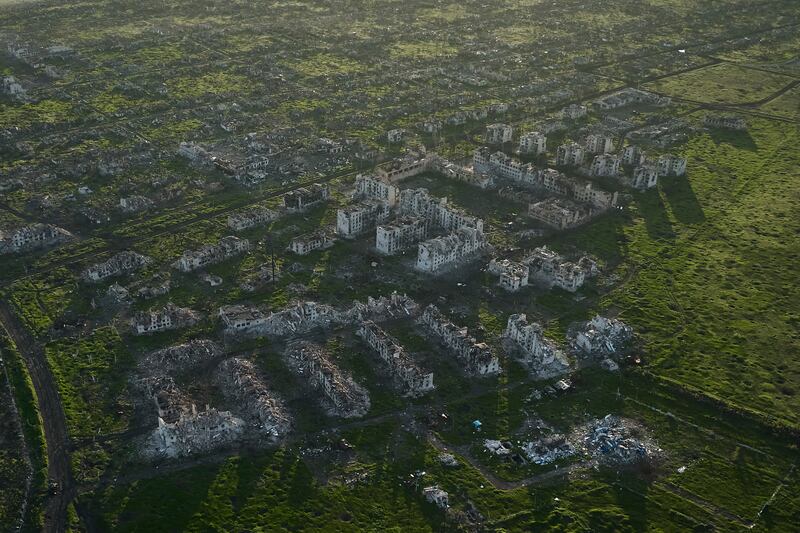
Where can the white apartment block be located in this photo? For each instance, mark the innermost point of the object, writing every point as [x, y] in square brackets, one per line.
[533, 142]
[372, 188]
[499, 133]
[644, 177]
[632, 156]
[441, 253]
[570, 155]
[513, 275]
[360, 217]
[605, 165]
[400, 235]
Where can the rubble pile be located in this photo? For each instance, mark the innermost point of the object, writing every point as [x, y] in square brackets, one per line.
[612, 440]
[600, 337]
[548, 450]
[182, 356]
[194, 432]
[343, 396]
[239, 380]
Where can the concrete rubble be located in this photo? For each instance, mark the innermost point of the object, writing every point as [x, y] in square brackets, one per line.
[240, 381]
[182, 357]
[195, 432]
[477, 358]
[548, 450]
[600, 338]
[343, 397]
[550, 269]
[616, 441]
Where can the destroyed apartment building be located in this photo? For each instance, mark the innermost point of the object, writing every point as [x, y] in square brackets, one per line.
[513, 275]
[211, 254]
[358, 218]
[527, 339]
[372, 188]
[32, 237]
[306, 197]
[560, 213]
[135, 204]
[343, 397]
[410, 165]
[476, 357]
[600, 337]
[195, 432]
[182, 357]
[437, 211]
[118, 264]
[411, 379]
[400, 235]
[546, 267]
[317, 240]
[251, 218]
[240, 381]
[168, 317]
[443, 253]
[730, 122]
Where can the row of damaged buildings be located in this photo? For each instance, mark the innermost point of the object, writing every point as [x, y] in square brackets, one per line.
[545, 267]
[477, 357]
[32, 237]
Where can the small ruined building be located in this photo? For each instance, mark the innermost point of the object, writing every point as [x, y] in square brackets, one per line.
[729, 122]
[405, 372]
[251, 218]
[560, 213]
[371, 188]
[541, 354]
[436, 496]
[194, 153]
[196, 432]
[400, 235]
[306, 197]
[181, 357]
[570, 155]
[513, 275]
[360, 217]
[476, 356]
[498, 134]
[598, 143]
[605, 165]
[550, 269]
[118, 264]
[240, 381]
[671, 165]
[442, 253]
[211, 254]
[412, 164]
[241, 317]
[343, 396]
[533, 143]
[32, 237]
[167, 318]
[600, 337]
[395, 136]
[307, 243]
[135, 204]
[574, 112]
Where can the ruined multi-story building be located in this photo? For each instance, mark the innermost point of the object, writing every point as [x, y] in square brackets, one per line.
[600, 337]
[32, 237]
[358, 218]
[211, 254]
[251, 217]
[476, 357]
[533, 143]
[307, 243]
[441, 253]
[498, 134]
[570, 155]
[671, 165]
[605, 165]
[343, 396]
[412, 164]
[598, 143]
[135, 204]
[550, 269]
[632, 156]
[400, 235]
[513, 275]
[306, 197]
[118, 264]
[241, 317]
[195, 432]
[574, 112]
[536, 350]
[419, 203]
[169, 317]
[730, 122]
[405, 372]
[644, 177]
[370, 187]
[240, 381]
[560, 213]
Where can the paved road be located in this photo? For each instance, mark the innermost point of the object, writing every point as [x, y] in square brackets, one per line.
[53, 420]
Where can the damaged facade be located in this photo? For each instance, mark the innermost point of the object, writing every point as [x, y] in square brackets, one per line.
[370, 187]
[403, 369]
[360, 217]
[169, 317]
[196, 432]
[306, 197]
[307, 243]
[211, 254]
[513, 275]
[550, 269]
[251, 218]
[600, 337]
[536, 350]
[121, 263]
[400, 235]
[32, 237]
[441, 253]
[476, 356]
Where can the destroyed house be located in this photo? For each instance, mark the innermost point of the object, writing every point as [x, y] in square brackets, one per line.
[550, 269]
[560, 213]
[307, 243]
[601, 337]
[238, 317]
[513, 275]
[250, 218]
[167, 318]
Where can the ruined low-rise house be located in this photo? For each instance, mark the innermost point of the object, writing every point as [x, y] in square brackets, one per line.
[632, 156]
[600, 337]
[32, 237]
[605, 165]
[477, 357]
[372, 188]
[405, 372]
[498, 134]
[193, 152]
[570, 155]
[536, 350]
[307, 243]
[241, 317]
[167, 318]
[730, 122]
[240, 381]
[436, 496]
[306, 197]
[211, 254]
[560, 213]
[412, 164]
[118, 264]
[442, 253]
[400, 235]
[196, 432]
[671, 165]
[550, 269]
[251, 217]
[533, 143]
[358, 218]
[468, 175]
[343, 396]
[135, 204]
[513, 275]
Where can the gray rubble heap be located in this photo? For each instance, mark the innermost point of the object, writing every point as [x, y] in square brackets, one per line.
[600, 337]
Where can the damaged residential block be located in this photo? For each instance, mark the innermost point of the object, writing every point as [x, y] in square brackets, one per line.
[539, 353]
[118, 264]
[211, 254]
[411, 379]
